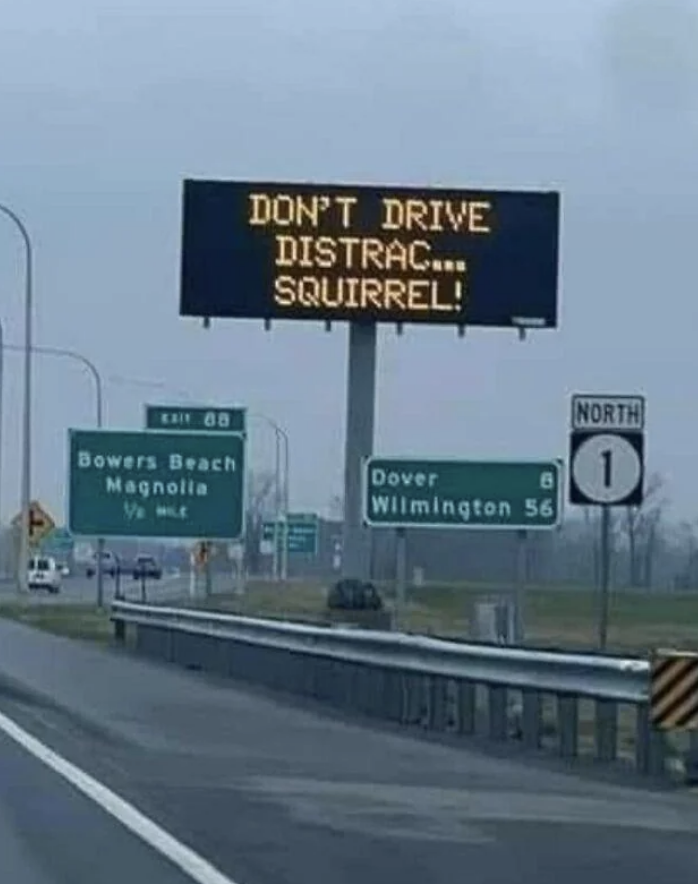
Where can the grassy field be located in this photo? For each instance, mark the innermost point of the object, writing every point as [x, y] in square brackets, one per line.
[74, 621]
[554, 617]
[564, 618]
[568, 617]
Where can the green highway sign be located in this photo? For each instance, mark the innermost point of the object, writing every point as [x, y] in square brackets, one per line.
[131, 484]
[302, 533]
[410, 492]
[59, 542]
[195, 418]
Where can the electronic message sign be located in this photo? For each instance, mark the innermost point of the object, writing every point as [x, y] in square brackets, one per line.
[377, 254]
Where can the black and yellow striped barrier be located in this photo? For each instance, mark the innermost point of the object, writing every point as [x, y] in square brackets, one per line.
[674, 690]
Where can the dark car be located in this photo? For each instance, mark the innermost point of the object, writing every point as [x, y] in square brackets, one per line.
[146, 568]
[354, 595]
[110, 565]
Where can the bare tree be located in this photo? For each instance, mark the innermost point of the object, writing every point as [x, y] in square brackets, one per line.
[685, 547]
[641, 528]
[261, 506]
[261, 495]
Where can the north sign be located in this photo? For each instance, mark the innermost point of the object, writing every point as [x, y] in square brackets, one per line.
[131, 484]
[406, 492]
[604, 412]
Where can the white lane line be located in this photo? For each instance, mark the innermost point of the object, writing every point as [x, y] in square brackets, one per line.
[196, 867]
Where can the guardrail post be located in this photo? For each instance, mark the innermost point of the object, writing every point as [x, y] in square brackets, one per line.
[531, 718]
[650, 745]
[377, 682]
[467, 699]
[606, 730]
[497, 703]
[393, 696]
[355, 687]
[439, 703]
[119, 631]
[690, 760]
[450, 705]
[568, 725]
[426, 701]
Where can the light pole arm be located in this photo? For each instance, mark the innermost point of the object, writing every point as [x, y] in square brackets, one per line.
[24, 233]
[283, 435]
[83, 360]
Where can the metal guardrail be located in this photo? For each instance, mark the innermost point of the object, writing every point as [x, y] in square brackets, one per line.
[574, 701]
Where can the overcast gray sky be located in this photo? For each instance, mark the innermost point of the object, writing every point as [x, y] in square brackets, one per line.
[105, 107]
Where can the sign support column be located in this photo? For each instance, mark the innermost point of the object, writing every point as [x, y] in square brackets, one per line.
[400, 578]
[605, 575]
[520, 587]
[276, 561]
[208, 572]
[100, 540]
[361, 401]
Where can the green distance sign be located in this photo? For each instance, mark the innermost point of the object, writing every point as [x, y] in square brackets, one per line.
[302, 533]
[402, 492]
[142, 484]
[195, 418]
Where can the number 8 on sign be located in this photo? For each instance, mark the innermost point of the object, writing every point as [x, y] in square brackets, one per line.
[607, 468]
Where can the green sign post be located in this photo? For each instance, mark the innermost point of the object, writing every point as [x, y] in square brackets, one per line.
[406, 492]
[130, 484]
[195, 418]
[302, 533]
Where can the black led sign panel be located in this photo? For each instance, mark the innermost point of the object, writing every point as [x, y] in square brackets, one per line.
[382, 254]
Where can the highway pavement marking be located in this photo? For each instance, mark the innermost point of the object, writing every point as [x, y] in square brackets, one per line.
[186, 859]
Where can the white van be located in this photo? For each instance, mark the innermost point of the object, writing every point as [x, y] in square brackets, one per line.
[44, 573]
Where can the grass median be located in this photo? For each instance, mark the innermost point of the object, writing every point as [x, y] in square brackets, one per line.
[86, 622]
[563, 618]
[554, 617]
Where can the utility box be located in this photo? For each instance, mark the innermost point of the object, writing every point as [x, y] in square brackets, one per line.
[493, 621]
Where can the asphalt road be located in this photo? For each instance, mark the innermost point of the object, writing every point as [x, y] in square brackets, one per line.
[52, 834]
[272, 793]
[83, 590]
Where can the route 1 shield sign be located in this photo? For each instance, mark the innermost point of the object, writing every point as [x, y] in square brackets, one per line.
[607, 450]
[606, 468]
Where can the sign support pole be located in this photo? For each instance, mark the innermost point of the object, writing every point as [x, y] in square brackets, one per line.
[520, 587]
[277, 507]
[400, 578]
[283, 576]
[361, 400]
[605, 574]
[208, 572]
[192, 576]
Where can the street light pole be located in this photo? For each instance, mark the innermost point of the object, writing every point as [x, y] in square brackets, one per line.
[99, 420]
[2, 384]
[276, 538]
[27, 399]
[282, 494]
[284, 548]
